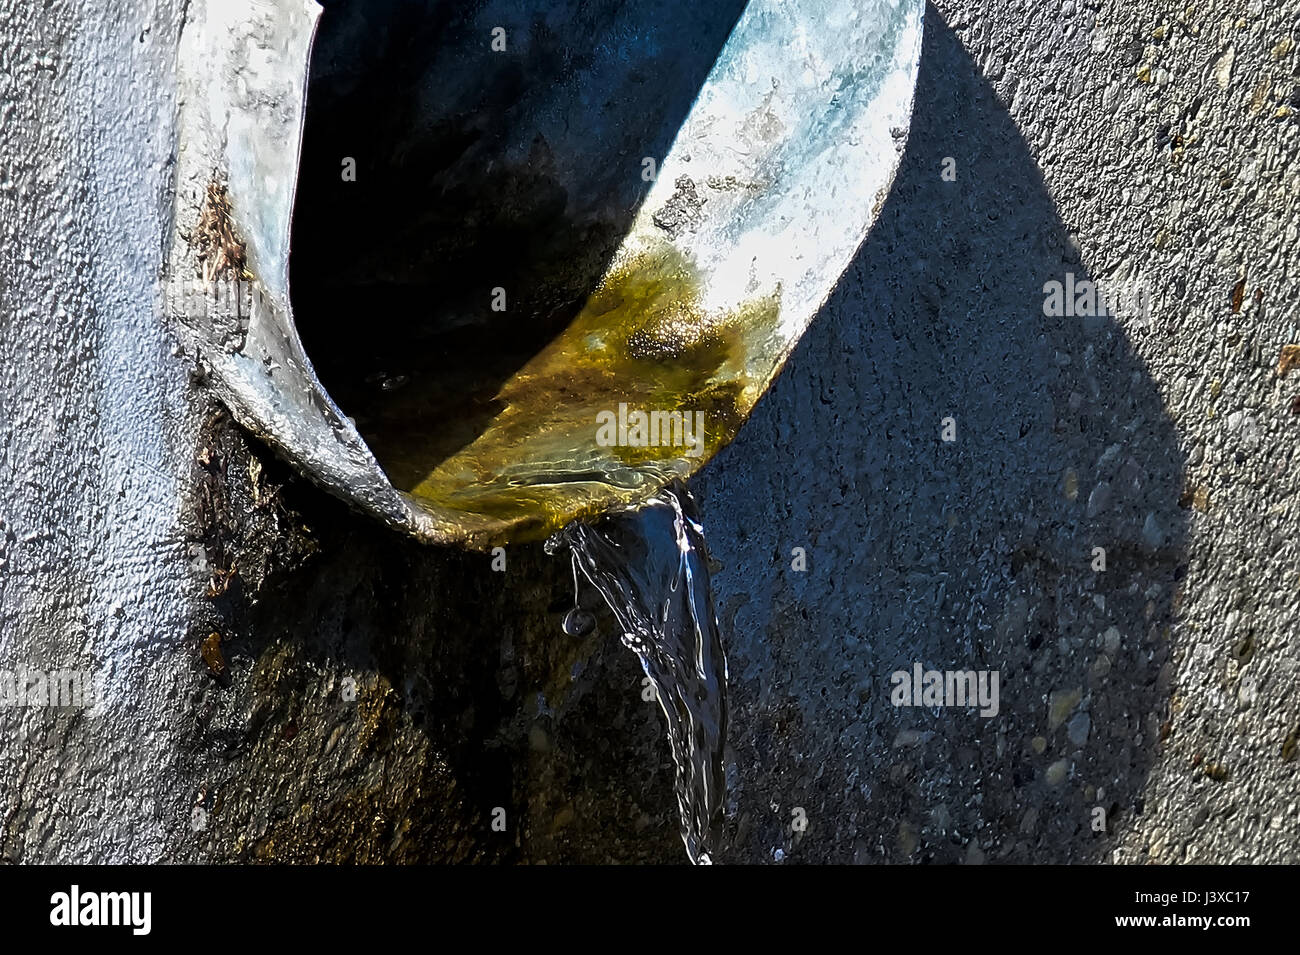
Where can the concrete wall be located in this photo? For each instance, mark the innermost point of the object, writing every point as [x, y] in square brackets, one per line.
[374, 699]
[1112, 141]
[95, 436]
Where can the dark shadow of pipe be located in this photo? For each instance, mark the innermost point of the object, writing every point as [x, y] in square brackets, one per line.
[975, 554]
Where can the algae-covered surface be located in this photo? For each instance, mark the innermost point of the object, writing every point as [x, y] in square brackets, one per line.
[642, 343]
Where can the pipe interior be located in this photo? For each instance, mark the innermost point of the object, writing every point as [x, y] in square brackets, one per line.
[475, 169]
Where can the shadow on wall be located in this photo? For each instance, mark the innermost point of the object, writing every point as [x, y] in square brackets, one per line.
[377, 700]
[975, 554]
[482, 160]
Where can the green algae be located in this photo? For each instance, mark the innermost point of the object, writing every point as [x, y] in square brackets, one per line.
[533, 461]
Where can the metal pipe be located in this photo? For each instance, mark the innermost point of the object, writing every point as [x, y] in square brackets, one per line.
[765, 190]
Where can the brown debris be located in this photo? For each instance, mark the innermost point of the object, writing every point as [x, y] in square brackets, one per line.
[1290, 358]
[1217, 771]
[220, 251]
[1197, 497]
[220, 580]
[210, 651]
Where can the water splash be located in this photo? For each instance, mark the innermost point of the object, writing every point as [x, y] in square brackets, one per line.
[651, 566]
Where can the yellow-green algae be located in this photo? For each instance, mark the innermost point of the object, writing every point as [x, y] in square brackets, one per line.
[642, 339]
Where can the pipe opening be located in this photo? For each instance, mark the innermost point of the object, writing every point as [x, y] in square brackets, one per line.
[440, 176]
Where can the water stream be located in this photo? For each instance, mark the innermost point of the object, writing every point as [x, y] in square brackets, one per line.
[651, 567]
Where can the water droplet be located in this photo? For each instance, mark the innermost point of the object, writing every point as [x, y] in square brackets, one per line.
[578, 622]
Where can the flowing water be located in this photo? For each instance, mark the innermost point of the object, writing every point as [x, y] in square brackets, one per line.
[651, 566]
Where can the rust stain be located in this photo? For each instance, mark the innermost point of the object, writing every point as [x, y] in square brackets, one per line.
[221, 251]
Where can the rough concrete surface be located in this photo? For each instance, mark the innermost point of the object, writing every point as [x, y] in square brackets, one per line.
[1111, 141]
[94, 432]
[372, 699]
